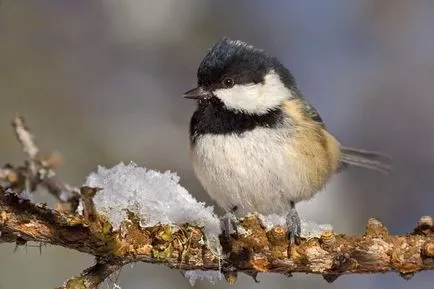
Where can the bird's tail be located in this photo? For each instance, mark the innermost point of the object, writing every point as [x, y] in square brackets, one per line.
[366, 159]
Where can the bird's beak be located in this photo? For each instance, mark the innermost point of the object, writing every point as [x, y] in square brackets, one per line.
[197, 93]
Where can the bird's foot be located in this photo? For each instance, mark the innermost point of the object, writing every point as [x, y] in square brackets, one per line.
[293, 225]
[229, 224]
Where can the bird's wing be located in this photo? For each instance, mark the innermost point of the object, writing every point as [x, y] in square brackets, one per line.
[308, 109]
[314, 151]
[301, 110]
[312, 112]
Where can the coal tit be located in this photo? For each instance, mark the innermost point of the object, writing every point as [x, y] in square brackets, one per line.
[256, 144]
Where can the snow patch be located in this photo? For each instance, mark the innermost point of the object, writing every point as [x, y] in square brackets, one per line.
[155, 197]
[194, 275]
[309, 229]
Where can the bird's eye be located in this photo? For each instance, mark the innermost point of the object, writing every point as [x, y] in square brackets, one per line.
[228, 82]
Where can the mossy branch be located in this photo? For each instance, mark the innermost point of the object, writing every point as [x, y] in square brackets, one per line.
[185, 248]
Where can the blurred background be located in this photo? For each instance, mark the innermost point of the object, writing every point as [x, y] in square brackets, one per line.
[101, 82]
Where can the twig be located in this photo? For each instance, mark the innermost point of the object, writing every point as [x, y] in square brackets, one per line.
[89, 210]
[37, 171]
[92, 277]
[25, 138]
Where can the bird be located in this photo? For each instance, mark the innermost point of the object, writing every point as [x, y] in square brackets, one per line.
[256, 144]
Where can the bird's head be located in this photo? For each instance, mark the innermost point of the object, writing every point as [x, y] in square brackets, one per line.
[243, 78]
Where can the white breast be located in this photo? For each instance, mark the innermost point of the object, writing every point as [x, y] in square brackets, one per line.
[252, 171]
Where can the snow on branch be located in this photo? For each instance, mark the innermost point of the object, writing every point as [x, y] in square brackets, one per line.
[128, 214]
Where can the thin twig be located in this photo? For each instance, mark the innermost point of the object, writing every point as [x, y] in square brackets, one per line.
[25, 137]
[37, 171]
[92, 277]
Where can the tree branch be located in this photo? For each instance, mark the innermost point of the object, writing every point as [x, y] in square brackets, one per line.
[331, 255]
[185, 248]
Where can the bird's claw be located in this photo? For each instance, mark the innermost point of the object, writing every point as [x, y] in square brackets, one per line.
[293, 225]
[229, 224]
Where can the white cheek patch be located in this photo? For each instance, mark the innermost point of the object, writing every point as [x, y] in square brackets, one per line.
[255, 98]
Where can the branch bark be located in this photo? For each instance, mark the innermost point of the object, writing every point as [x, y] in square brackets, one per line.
[185, 248]
[330, 255]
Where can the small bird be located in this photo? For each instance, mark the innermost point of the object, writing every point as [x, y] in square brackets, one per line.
[256, 143]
